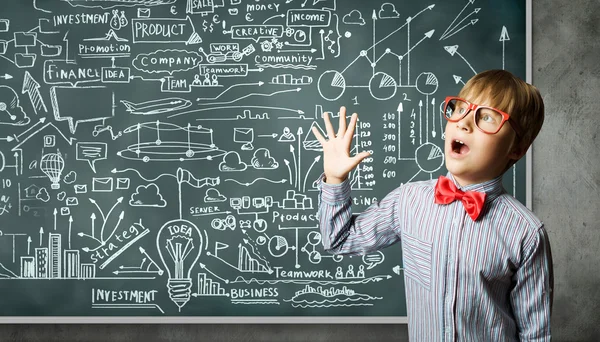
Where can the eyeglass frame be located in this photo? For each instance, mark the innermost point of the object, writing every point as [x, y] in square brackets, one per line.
[473, 107]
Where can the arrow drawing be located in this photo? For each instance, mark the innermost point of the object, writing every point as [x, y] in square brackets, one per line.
[503, 38]
[299, 133]
[433, 132]
[41, 121]
[32, 88]
[427, 34]
[317, 158]
[152, 262]
[55, 213]
[70, 227]
[472, 23]
[454, 31]
[453, 50]
[374, 17]
[458, 79]
[287, 163]
[470, 2]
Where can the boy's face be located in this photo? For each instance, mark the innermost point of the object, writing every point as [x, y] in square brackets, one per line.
[483, 156]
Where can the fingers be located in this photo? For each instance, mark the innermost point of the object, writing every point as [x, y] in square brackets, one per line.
[342, 124]
[328, 126]
[350, 131]
[318, 135]
[360, 156]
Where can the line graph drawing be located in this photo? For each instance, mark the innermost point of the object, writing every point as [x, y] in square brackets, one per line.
[332, 84]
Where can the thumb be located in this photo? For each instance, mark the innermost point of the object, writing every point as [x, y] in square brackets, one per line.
[360, 156]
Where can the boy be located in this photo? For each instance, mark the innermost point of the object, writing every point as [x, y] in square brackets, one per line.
[477, 263]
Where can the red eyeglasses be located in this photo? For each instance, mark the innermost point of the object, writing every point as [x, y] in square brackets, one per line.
[487, 119]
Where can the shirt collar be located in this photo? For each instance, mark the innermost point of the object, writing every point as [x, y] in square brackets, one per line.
[493, 187]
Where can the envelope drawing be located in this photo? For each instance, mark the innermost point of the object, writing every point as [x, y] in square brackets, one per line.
[122, 183]
[243, 135]
[143, 13]
[80, 188]
[102, 184]
[64, 211]
[71, 201]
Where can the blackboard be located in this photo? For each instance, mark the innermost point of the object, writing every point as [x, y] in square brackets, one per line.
[157, 160]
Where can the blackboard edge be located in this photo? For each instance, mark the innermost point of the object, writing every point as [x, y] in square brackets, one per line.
[204, 320]
[529, 79]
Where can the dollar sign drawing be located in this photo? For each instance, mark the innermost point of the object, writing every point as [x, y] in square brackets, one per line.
[115, 23]
[123, 20]
[211, 27]
[204, 26]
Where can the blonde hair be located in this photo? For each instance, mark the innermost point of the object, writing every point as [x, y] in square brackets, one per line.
[521, 100]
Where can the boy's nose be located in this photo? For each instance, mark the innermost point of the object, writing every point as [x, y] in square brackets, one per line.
[466, 123]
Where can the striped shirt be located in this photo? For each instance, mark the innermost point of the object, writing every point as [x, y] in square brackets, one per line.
[484, 280]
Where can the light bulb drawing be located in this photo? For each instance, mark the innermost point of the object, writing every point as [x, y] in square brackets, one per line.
[52, 165]
[179, 244]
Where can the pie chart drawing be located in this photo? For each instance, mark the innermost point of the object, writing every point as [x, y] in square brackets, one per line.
[278, 246]
[331, 85]
[382, 86]
[429, 157]
[427, 83]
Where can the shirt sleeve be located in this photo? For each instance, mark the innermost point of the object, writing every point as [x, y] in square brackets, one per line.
[532, 296]
[347, 234]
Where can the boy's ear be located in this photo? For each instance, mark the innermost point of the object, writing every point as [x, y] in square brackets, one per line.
[518, 151]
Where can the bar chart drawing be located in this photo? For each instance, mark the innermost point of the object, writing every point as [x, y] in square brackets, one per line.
[208, 287]
[53, 262]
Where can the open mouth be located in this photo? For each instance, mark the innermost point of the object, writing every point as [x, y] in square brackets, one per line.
[459, 147]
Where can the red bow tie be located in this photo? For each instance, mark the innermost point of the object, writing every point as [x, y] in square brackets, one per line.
[446, 192]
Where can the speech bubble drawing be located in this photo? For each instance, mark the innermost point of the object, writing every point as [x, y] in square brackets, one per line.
[373, 259]
[94, 103]
[91, 152]
[169, 60]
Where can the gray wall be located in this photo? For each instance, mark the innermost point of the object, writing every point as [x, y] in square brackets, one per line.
[566, 158]
[566, 164]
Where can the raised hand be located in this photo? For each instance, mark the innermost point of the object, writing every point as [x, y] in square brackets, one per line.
[337, 162]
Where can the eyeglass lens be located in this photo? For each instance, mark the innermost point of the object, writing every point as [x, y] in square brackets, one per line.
[487, 119]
